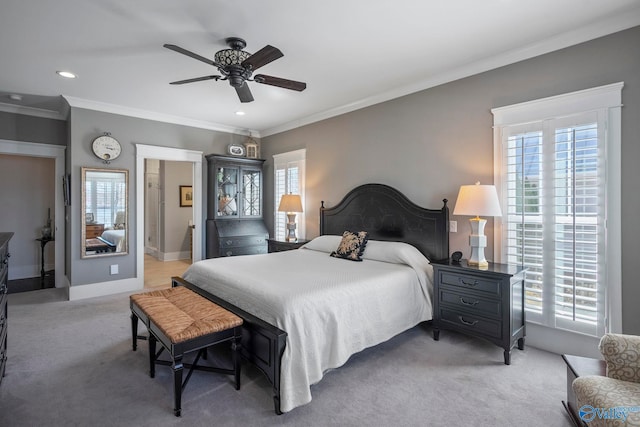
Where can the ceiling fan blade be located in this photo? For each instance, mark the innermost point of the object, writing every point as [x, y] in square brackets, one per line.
[190, 54]
[277, 81]
[197, 79]
[262, 57]
[244, 93]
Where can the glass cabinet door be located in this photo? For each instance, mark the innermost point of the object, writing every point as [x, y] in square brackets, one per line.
[227, 202]
[251, 192]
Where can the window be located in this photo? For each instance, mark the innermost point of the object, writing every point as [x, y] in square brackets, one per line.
[288, 179]
[557, 162]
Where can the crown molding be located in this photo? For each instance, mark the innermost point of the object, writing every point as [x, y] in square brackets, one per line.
[32, 111]
[152, 115]
[598, 29]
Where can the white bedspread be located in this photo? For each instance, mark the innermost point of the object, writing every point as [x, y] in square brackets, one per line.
[117, 237]
[330, 308]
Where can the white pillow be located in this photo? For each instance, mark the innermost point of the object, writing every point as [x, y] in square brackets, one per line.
[327, 243]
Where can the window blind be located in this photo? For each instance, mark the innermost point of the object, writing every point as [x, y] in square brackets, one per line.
[554, 195]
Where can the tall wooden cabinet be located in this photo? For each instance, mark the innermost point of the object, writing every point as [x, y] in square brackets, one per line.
[4, 277]
[235, 224]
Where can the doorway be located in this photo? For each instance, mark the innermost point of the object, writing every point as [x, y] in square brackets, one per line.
[57, 213]
[149, 152]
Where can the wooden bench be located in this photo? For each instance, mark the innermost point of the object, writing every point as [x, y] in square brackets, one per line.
[183, 321]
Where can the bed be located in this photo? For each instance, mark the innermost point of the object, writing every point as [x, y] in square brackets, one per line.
[115, 237]
[289, 300]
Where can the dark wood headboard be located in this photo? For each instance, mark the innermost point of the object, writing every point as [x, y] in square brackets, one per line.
[387, 214]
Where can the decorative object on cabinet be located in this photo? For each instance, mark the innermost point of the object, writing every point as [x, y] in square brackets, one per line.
[186, 196]
[235, 224]
[105, 229]
[106, 148]
[235, 150]
[476, 200]
[251, 147]
[4, 274]
[484, 302]
[290, 203]
[276, 245]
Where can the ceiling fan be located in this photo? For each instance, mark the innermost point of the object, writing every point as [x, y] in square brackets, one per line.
[237, 66]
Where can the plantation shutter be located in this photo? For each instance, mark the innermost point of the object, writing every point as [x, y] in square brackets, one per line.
[554, 195]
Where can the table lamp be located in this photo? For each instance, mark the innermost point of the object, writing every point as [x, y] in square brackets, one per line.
[290, 203]
[476, 200]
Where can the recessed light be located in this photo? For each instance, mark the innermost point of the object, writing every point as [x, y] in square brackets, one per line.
[239, 113]
[66, 74]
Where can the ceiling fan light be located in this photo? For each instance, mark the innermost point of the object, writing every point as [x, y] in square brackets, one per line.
[231, 57]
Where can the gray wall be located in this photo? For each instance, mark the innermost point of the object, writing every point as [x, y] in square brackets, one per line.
[18, 127]
[429, 143]
[85, 125]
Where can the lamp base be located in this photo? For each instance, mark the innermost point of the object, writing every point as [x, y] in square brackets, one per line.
[291, 228]
[477, 241]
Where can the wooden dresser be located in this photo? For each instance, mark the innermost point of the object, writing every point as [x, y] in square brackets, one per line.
[94, 230]
[4, 275]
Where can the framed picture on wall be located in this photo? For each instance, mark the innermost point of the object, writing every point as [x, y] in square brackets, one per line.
[186, 196]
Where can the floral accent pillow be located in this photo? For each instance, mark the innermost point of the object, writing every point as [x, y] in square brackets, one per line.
[351, 246]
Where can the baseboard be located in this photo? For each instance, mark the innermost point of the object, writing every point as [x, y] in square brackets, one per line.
[105, 288]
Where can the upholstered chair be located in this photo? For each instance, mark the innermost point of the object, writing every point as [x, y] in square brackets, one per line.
[606, 398]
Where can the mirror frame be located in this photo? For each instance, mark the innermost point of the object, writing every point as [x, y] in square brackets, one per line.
[83, 214]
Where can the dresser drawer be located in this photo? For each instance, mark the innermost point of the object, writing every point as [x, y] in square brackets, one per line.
[470, 323]
[471, 282]
[243, 250]
[235, 241]
[470, 302]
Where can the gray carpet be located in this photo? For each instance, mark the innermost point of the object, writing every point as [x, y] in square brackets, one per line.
[71, 364]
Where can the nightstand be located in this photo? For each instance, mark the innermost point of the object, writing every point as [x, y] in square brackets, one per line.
[483, 302]
[280, 245]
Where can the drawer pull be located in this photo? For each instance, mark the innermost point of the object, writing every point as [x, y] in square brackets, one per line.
[471, 304]
[229, 242]
[461, 280]
[465, 322]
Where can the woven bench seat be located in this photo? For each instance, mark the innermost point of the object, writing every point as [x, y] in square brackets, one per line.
[183, 321]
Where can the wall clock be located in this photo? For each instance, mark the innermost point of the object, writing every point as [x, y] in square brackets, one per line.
[106, 147]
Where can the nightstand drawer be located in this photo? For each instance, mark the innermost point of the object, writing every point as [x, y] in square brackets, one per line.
[470, 302]
[471, 282]
[476, 325]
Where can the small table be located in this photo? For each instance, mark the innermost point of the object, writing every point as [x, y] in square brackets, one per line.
[43, 242]
[577, 366]
[281, 245]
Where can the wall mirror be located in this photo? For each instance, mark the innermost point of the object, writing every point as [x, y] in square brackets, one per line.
[105, 225]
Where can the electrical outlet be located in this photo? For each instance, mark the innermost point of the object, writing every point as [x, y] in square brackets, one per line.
[453, 226]
[114, 269]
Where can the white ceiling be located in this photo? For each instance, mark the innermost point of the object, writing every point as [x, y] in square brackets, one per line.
[351, 53]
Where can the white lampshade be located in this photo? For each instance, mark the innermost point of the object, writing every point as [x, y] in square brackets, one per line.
[477, 200]
[290, 203]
